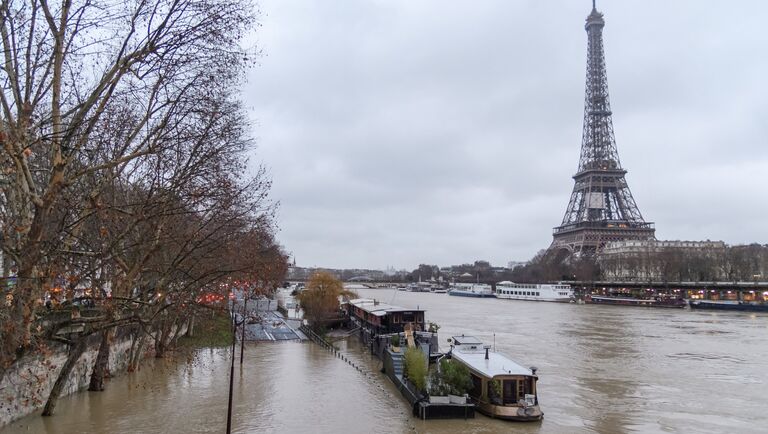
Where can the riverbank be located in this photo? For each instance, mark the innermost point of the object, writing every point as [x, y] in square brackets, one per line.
[26, 386]
[290, 387]
[213, 331]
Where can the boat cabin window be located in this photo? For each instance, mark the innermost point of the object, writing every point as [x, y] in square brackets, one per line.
[528, 386]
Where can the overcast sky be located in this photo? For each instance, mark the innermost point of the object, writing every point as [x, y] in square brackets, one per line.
[441, 132]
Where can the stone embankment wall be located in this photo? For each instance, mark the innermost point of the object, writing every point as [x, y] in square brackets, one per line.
[25, 386]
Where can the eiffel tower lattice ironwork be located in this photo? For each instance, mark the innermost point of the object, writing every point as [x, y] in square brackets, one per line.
[601, 208]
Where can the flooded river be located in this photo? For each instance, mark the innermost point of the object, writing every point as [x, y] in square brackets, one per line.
[602, 369]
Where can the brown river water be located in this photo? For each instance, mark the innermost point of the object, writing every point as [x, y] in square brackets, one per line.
[605, 369]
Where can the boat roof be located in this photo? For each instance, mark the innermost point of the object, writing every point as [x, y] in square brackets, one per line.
[469, 350]
[378, 308]
[467, 340]
[508, 282]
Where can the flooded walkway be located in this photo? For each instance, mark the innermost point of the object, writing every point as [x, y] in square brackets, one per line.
[284, 387]
[273, 327]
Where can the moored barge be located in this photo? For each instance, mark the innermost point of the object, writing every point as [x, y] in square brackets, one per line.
[502, 388]
[668, 302]
[477, 290]
[733, 305]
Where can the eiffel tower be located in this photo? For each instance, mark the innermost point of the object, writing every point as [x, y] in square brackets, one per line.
[601, 208]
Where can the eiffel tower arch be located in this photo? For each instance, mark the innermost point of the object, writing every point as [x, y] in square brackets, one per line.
[601, 208]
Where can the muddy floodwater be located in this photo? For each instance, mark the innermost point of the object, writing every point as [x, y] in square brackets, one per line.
[603, 369]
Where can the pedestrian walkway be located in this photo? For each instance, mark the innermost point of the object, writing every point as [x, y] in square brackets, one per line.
[271, 326]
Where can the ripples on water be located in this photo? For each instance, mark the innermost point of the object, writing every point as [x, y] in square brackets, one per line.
[603, 369]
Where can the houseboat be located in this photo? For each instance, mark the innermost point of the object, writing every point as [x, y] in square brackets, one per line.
[502, 388]
[534, 292]
[627, 300]
[748, 306]
[471, 290]
[375, 318]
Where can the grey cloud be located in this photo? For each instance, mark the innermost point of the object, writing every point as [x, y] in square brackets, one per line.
[442, 132]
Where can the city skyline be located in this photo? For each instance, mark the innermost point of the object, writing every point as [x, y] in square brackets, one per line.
[399, 134]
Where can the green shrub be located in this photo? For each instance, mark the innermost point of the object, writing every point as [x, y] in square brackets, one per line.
[456, 376]
[416, 367]
[437, 386]
[395, 340]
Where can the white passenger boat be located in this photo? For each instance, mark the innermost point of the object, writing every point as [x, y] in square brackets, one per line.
[534, 291]
[438, 289]
[471, 290]
[501, 387]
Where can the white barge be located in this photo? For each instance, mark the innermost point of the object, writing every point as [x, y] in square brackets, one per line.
[477, 290]
[534, 291]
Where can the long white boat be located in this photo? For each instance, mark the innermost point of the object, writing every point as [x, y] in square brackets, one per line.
[534, 291]
[471, 290]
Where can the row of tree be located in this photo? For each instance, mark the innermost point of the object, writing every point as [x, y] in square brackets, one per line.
[672, 264]
[745, 263]
[125, 193]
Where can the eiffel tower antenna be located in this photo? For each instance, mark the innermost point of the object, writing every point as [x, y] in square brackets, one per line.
[601, 208]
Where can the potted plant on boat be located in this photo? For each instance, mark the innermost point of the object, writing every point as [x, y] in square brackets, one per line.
[433, 327]
[395, 341]
[457, 377]
[437, 390]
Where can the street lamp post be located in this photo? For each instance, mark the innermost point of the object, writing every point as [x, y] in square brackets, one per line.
[242, 336]
[231, 369]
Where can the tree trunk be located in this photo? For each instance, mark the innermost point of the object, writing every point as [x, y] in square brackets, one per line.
[74, 354]
[176, 333]
[100, 365]
[159, 347]
[160, 338]
[191, 326]
[164, 337]
[137, 352]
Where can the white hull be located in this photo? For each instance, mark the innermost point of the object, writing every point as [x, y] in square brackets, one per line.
[471, 290]
[526, 298]
[534, 292]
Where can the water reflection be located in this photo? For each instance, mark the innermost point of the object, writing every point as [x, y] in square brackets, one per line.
[604, 343]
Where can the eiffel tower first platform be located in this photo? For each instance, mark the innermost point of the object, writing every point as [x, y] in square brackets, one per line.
[601, 208]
